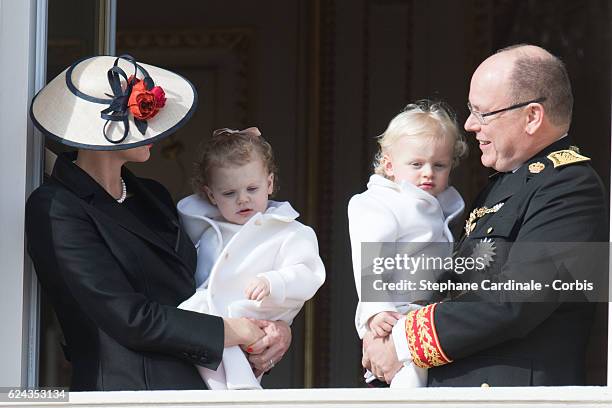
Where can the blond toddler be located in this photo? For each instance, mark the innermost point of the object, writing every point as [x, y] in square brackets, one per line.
[408, 199]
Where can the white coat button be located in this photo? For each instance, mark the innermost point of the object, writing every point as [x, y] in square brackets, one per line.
[257, 222]
[484, 385]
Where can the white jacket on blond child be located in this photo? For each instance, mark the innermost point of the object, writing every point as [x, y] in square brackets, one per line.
[272, 245]
[392, 212]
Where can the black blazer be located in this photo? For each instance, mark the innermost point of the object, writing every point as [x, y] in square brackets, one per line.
[525, 343]
[115, 285]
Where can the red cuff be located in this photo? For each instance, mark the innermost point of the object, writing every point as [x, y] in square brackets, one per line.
[423, 339]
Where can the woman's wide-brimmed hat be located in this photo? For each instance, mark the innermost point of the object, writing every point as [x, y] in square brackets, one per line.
[113, 103]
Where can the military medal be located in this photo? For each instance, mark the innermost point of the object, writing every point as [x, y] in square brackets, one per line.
[484, 251]
[536, 167]
[477, 213]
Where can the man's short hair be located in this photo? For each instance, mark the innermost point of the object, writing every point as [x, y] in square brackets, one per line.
[542, 75]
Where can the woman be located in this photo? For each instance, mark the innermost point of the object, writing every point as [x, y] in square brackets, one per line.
[107, 246]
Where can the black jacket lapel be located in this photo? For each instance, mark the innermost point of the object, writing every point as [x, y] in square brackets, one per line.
[79, 182]
[506, 186]
[138, 188]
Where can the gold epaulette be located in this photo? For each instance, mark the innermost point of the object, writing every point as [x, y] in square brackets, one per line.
[564, 157]
[423, 339]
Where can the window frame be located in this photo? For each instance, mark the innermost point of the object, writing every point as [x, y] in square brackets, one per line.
[21, 162]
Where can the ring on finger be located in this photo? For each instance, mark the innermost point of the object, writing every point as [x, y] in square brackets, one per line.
[271, 363]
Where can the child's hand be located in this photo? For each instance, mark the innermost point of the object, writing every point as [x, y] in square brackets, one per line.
[257, 289]
[382, 323]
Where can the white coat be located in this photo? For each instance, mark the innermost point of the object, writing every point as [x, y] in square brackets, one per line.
[391, 212]
[272, 245]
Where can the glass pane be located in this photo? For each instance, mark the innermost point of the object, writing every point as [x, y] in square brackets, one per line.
[73, 33]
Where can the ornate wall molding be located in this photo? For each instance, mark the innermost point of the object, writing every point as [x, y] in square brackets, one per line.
[239, 39]
[238, 42]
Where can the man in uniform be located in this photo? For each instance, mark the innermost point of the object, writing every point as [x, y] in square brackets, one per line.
[520, 104]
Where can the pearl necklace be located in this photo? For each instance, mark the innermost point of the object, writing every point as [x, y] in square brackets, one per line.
[123, 191]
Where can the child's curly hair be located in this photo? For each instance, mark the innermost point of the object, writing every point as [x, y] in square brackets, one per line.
[423, 118]
[232, 147]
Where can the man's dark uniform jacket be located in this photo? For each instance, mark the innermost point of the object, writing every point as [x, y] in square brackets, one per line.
[115, 283]
[554, 197]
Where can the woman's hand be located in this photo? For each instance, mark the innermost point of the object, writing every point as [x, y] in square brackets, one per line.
[241, 331]
[268, 350]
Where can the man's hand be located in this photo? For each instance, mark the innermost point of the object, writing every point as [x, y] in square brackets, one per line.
[379, 357]
[257, 289]
[267, 351]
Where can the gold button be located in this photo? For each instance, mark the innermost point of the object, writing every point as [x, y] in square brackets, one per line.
[489, 230]
[484, 385]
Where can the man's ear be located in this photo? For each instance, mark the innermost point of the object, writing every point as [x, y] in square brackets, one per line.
[388, 166]
[534, 118]
[270, 183]
[210, 195]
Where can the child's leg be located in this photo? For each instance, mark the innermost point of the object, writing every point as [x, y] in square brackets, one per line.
[238, 372]
[234, 372]
[410, 376]
[214, 379]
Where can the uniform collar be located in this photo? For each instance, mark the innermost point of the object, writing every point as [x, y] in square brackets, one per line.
[507, 184]
[561, 144]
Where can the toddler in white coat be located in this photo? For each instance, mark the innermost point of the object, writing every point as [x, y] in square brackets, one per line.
[254, 258]
[408, 199]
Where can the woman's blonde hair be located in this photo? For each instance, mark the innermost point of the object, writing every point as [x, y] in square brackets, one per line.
[232, 147]
[423, 118]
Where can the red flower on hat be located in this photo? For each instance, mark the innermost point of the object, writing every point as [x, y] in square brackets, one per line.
[145, 103]
[160, 96]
